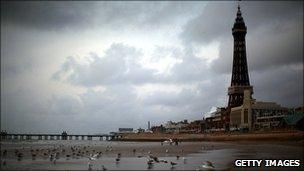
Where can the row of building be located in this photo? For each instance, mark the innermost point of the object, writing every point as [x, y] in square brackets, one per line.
[252, 116]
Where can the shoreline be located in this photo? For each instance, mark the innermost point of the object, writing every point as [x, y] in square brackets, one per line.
[255, 136]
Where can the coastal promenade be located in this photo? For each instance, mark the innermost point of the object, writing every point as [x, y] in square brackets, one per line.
[254, 136]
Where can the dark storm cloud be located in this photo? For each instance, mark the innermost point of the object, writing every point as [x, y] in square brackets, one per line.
[47, 15]
[213, 21]
[274, 32]
[87, 15]
[283, 85]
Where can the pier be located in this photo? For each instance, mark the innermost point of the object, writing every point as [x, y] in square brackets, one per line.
[63, 136]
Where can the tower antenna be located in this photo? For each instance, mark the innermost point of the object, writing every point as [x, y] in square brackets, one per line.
[238, 2]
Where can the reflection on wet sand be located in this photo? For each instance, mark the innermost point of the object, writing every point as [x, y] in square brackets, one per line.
[100, 155]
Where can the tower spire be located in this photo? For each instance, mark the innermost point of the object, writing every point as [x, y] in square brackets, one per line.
[239, 13]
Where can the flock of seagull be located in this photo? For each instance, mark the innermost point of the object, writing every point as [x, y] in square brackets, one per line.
[77, 152]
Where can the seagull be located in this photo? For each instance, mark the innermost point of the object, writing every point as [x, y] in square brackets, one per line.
[52, 158]
[173, 164]
[33, 156]
[92, 157]
[162, 160]
[150, 162]
[168, 141]
[90, 166]
[20, 155]
[103, 168]
[207, 165]
[68, 156]
[185, 159]
[155, 158]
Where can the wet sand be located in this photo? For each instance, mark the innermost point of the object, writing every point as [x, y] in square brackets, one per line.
[222, 154]
[286, 135]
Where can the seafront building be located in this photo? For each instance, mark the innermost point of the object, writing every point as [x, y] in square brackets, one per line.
[256, 115]
[217, 120]
[175, 127]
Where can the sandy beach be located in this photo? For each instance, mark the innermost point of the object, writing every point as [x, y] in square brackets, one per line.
[222, 154]
[254, 136]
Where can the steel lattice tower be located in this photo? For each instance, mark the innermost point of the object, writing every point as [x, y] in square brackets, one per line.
[240, 77]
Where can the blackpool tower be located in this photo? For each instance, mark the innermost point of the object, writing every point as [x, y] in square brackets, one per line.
[240, 77]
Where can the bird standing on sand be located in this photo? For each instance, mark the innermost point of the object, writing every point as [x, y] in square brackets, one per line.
[4, 163]
[20, 155]
[150, 162]
[4, 153]
[184, 160]
[162, 160]
[173, 164]
[33, 156]
[103, 168]
[118, 157]
[207, 165]
[90, 166]
[92, 157]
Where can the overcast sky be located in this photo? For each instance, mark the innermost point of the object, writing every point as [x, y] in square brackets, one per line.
[92, 67]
